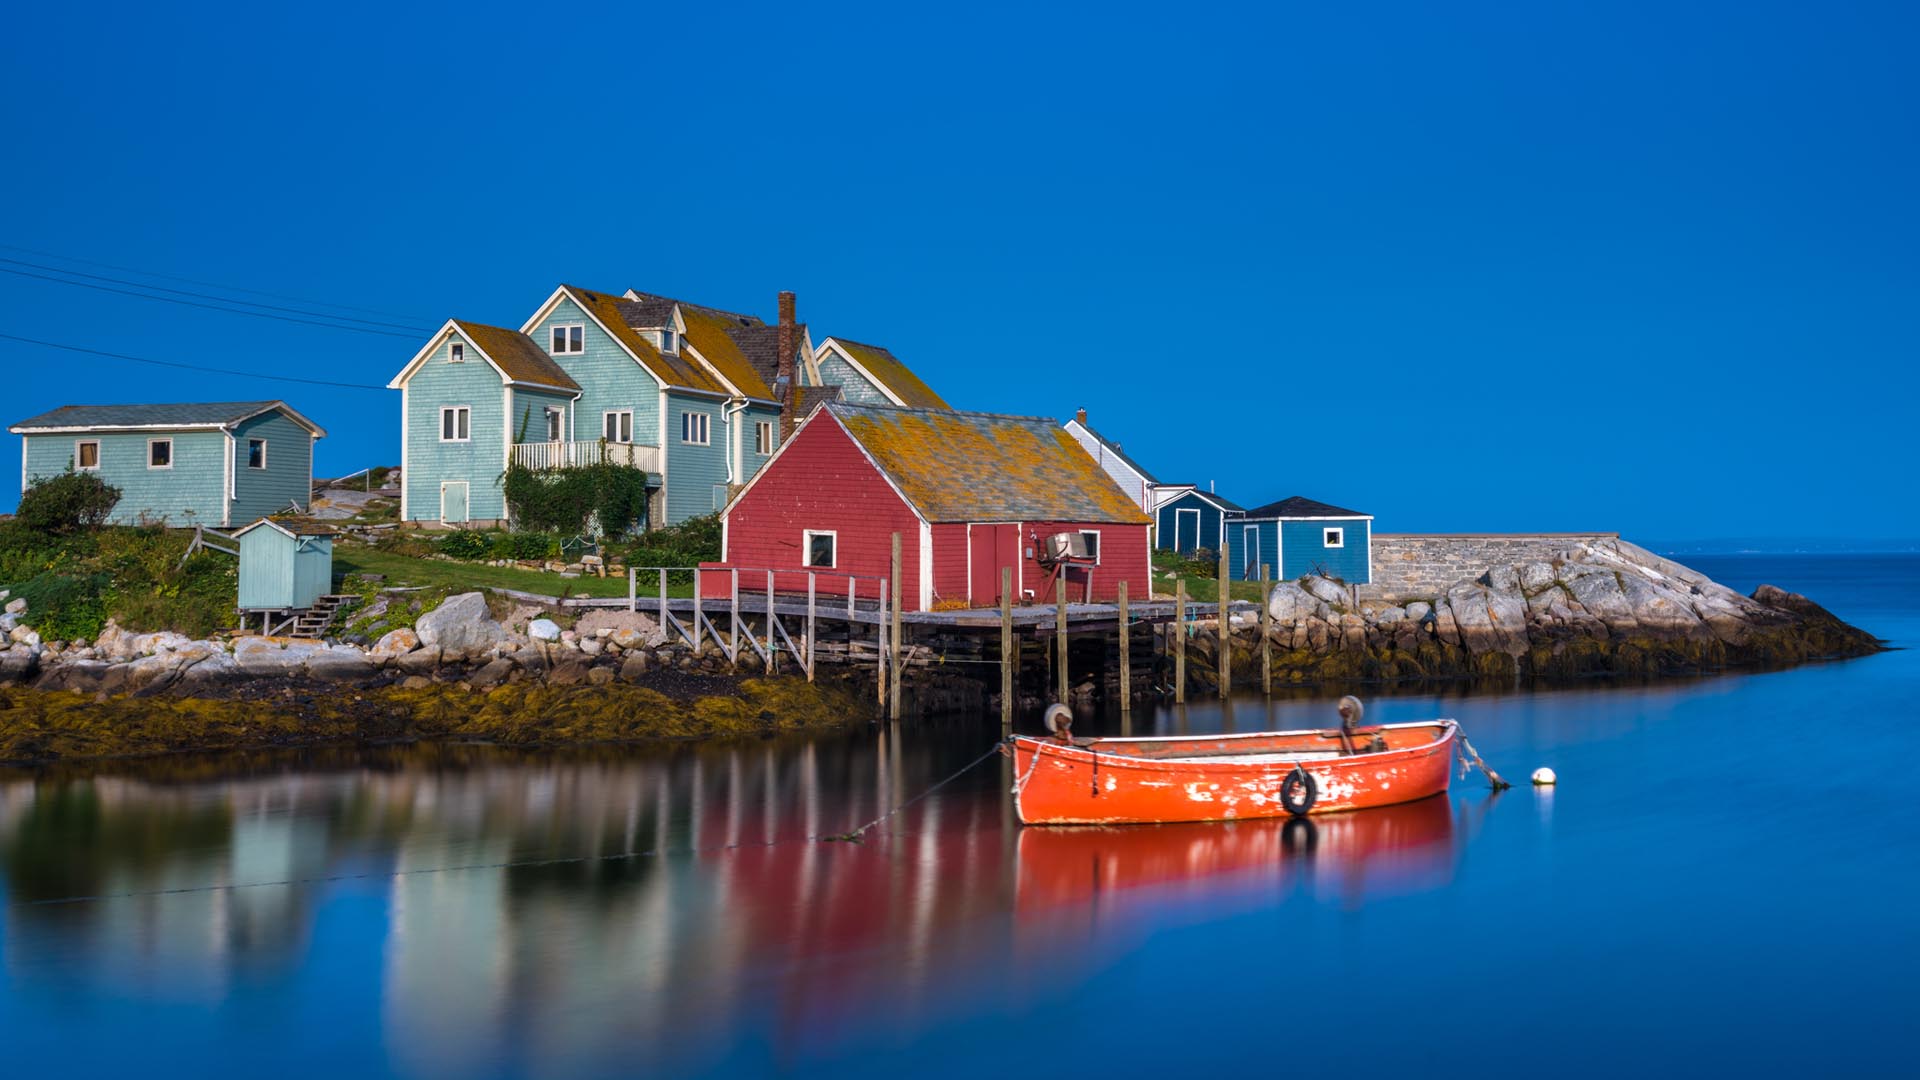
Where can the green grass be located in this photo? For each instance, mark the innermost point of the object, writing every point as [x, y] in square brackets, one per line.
[1202, 581]
[352, 558]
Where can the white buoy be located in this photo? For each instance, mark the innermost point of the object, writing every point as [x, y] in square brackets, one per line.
[1544, 777]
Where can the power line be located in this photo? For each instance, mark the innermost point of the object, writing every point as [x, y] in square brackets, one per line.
[197, 281]
[210, 296]
[209, 307]
[189, 367]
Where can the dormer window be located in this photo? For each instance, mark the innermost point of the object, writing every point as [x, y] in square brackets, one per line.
[570, 340]
[457, 353]
[669, 341]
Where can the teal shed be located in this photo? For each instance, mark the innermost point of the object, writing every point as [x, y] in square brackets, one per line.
[284, 565]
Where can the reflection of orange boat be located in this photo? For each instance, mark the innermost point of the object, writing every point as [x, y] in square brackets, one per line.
[1224, 777]
[1398, 846]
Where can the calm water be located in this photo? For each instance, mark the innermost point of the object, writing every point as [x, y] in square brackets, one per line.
[1724, 881]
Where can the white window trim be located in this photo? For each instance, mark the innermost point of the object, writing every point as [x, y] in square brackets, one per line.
[1099, 544]
[263, 454]
[627, 417]
[669, 341]
[703, 422]
[150, 445]
[806, 548]
[763, 427]
[567, 339]
[456, 352]
[556, 424]
[456, 409]
[1250, 559]
[1333, 536]
[95, 467]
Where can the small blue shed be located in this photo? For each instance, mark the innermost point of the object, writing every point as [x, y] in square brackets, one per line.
[1296, 536]
[1192, 520]
[284, 565]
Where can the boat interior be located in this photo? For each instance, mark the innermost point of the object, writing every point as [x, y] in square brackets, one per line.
[1327, 744]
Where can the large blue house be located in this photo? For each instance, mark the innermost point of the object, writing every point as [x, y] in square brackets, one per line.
[1295, 537]
[698, 397]
[217, 463]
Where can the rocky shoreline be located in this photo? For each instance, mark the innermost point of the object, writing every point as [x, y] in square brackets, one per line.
[1601, 607]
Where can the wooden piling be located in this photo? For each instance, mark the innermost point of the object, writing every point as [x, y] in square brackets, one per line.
[1266, 637]
[733, 613]
[1179, 631]
[1006, 650]
[812, 606]
[880, 650]
[1126, 656]
[1225, 636]
[773, 647]
[893, 698]
[1060, 640]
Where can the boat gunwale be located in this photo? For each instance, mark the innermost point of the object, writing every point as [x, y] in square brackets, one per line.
[1450, 728]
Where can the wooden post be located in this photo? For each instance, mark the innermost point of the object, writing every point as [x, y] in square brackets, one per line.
[1225, 637]
[810, 618]
[1266, 637]
[696, 615]
[1179, 631]
[773, 648]
[633, 586]
[1126, 656]
[663, 593]
[1006, 650]
[1060, 638]
[880, 649]
[734, 614]
[893, 699]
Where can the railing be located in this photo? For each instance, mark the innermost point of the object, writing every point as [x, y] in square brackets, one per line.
[725, 585]
[560, 455]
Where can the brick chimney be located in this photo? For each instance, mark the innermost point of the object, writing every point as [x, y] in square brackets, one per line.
[787, 343]
[1082, 417]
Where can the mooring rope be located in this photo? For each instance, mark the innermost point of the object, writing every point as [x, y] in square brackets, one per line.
[854, 836]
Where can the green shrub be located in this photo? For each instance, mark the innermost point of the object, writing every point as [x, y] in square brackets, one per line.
[69, 502]
[525, 545]
[465, 544]
[690, 543]
[610, 499]
[64, 607]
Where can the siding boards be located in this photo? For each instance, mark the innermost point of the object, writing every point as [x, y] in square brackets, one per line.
[610, 379]
[835, 371]
[190, 493]
[478, 461]
[1304, 552]
[288, 476]
[697, 474]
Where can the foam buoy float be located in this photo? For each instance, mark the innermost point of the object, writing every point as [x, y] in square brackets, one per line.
[1060, 721]
[1543, 777]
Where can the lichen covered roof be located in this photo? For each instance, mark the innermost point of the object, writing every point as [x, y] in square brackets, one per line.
[708, 331]
[887, 368]
[518, 355]
[761, 346]
[177, 414]
[679, 370]
[960, 466]
[1298, 507]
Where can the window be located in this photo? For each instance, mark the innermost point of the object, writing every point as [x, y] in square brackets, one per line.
[159, 453]
[86, 454]
[1092, 537]
[763, 437]
[256, 453]
[619, 426]
[694, 429]
[1334, 538]
[457, 353]
[555, 423]
[454, 423]
[569, 340]
[668, 340]
[819, 546]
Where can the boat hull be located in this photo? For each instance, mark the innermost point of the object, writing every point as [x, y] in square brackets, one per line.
[1223, 777]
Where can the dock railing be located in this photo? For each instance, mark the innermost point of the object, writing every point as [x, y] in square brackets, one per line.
[762, 590]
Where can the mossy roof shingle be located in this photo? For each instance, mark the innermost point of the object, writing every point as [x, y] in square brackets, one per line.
[900, 379]
[960, 466]
[1298, 507]
[518, 355]
[676, 369]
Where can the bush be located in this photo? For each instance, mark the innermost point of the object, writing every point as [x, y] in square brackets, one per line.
[690, 543]
[610, 499]
[69, 502]
[465, 544]
[65, 607]
[525, 545]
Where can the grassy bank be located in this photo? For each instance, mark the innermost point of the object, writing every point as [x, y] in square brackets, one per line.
[74, 583]
[408, 570]
[41, 726]
[1201, 576]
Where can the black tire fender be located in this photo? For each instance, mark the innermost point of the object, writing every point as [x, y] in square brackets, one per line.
[1299, 791]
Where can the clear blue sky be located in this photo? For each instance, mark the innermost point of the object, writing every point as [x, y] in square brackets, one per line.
[1518, 266]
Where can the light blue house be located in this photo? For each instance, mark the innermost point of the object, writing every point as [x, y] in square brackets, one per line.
[697, 397]
[181, 465]
[1189, 520]
[284, 565]
[1295, 537]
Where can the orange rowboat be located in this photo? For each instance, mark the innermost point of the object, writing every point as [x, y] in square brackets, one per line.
[1226, 777]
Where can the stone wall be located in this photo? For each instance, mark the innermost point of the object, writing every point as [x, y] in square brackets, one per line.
[1409, 566]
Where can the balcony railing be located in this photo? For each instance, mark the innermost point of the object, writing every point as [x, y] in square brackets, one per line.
[560, 455]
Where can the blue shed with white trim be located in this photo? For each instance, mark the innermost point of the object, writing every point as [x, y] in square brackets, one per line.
[1295, 537]
[284, 565]
[1192, 521]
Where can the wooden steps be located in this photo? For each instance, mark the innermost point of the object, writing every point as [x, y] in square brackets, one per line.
[314, 621]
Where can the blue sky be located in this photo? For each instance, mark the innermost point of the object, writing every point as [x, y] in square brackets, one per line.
[1520, 266]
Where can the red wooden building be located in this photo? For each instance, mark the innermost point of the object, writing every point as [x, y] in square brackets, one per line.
[968, 493]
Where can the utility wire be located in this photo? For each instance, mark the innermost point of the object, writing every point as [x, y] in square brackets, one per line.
[198, 281]
[209, 307]
[189, 367]
[210, 296]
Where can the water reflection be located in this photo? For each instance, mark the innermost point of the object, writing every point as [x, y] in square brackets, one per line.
[558, 910]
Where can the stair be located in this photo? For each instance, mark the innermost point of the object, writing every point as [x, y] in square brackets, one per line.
[313, 622]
